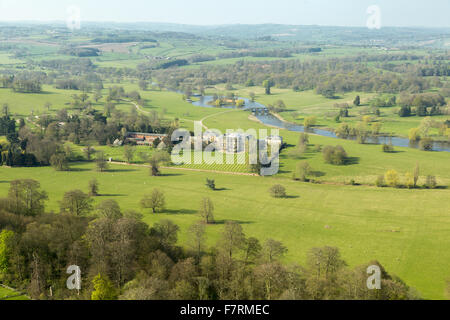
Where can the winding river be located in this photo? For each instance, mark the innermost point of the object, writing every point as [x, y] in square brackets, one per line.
[270, 120]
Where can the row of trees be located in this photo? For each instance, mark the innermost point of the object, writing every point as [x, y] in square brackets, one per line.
[409, 180]
[422, 105]
[423, 132]
[23, 83]
[327, 77]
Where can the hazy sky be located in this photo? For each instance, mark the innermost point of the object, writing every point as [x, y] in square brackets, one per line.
[430, 13]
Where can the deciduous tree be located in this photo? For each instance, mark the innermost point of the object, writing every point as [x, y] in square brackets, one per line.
[155, 201]
[207, 210]
[76, 202]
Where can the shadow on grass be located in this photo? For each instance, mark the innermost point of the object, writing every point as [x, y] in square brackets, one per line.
[45, 92]
[180, 211]
[222, 222]
[79, 170]
[351, 161]
[112, 195]
[170, 175]
[395, 151]
[318, 174]
[222, 189]
[290, 197]
[120, 170]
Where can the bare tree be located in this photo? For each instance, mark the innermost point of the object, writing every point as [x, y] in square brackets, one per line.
[233, 238]
[155, 201]
[128, 152]
[416, 174]
[100, 161]
[89, 151]
[93, 188]
[207, 210]
[196, 239]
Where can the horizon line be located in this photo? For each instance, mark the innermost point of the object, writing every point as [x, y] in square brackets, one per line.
[44, 21]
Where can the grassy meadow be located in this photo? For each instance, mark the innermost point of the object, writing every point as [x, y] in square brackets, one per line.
[407, 231]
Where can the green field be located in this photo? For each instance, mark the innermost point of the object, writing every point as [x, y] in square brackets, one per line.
[407, 231]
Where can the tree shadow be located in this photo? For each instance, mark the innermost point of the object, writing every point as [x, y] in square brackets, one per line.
[120, 170]
[112, 195]
[222, 222]
[291, 197]
[180, 211]
[79, 170]
[170, 175]
[318, 174]
[45, 92]
[395, 151]
[222, 189]
[351, 161]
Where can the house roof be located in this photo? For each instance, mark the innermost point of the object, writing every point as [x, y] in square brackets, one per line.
[147, 134]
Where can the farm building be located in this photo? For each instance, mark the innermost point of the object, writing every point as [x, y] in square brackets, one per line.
[145, 138]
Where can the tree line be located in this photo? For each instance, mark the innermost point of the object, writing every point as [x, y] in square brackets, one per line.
[328, 77]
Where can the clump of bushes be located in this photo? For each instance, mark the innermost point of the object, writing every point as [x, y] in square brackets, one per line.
[426, 144]
[278, 191]
[211, 184]
[392, 178]
[334, 155]
[431, 182]
[410, 180]
[388, 148]
[303, 169]
[380, 182]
